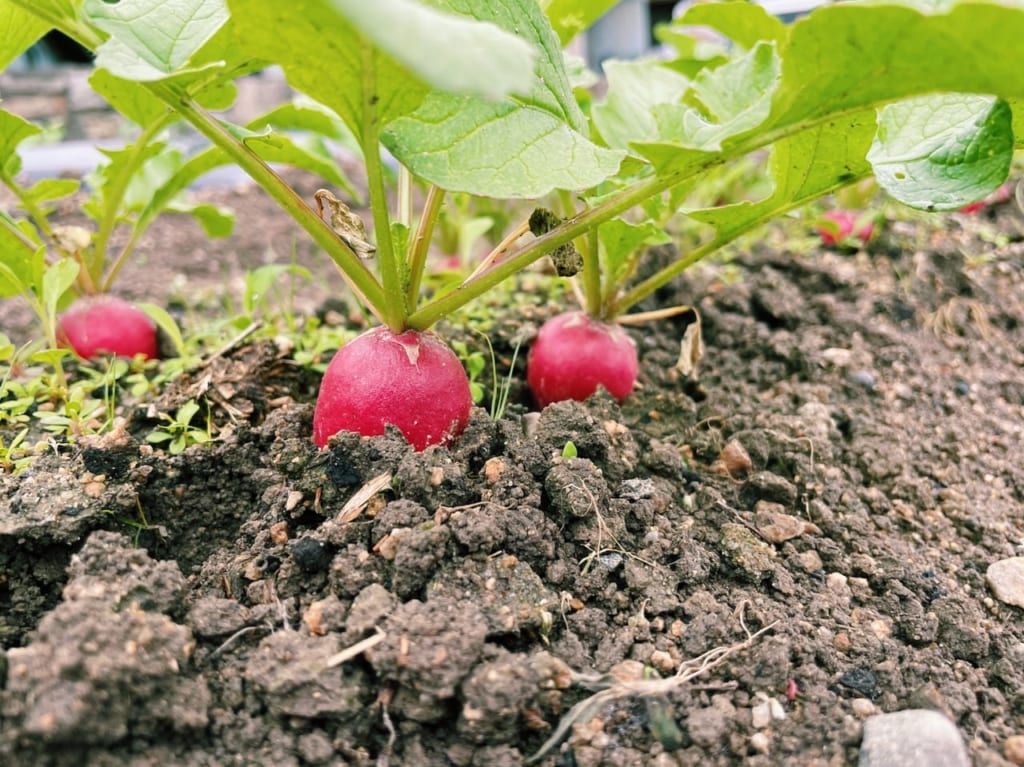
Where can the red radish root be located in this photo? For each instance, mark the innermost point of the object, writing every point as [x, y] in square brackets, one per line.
[98, 325]
[574, 354]
[844, 224]
[412, 381]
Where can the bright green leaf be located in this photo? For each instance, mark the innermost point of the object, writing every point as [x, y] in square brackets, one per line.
[166, 323]
[736, 98]
[620, 240]
[570, 17]
[57, 280]
[845, 56]
[746, 24]
[335, 70]
[941, 152]
[304, 114]
[505, 150]
[259, 282]
[152, 39]
[451, 52]
[49, 189]
[306, 152]
[21, 260]
[549, 89]
[216, 221]
[524, 147]
[13, 130]
[634, 89]
[126, 163]
[131, 99]
[18, 30]
[804, 167]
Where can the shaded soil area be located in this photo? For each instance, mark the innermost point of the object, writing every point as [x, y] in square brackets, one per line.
[738, 570]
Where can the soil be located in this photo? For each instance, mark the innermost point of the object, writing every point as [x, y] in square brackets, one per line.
[734, 570]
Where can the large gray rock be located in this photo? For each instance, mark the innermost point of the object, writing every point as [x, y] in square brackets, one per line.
[912, 738]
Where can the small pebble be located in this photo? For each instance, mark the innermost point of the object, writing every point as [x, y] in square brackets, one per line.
[862, 378]
[734, 459]
[1006, 579]
[760, 742]
[1013, 749]
[863, 707]
[810, 561]
[912, 738]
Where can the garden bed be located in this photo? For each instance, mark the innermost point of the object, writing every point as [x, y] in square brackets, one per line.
[812, 520]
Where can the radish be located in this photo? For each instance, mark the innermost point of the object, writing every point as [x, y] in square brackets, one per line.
[574, 354]
[837, 225]
[411, 380]
[104, 324]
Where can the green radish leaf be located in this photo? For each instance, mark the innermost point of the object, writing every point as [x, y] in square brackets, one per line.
[11, 281]
[459, 55]
[634, 89]
[570, 17]
[804, 167]
[131, 99]
[941, 152]
[306, 152]
[259, 282]
[57, 280]
[350, 71]
[524, 147]
[843, 57]
[216, 221]
[620, 240]
[470, 231]
[305, 114]
[13, 130]
[107, 179]
[736, 98]
[50, 189]
[153, 39]
[336, 70]
[746, 24]
[51, 357]
[504, 150]
[21, 259]
[18, 30]
[166, 323]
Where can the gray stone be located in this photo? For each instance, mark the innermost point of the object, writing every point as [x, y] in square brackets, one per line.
[1006, 579]
[912, 738]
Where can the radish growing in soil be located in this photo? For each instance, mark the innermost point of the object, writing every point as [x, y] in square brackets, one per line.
[499, 119]
[104, 324]
[574, 354]
[411, 380]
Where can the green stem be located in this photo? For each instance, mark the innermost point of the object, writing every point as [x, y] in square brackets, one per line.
[358, 276]
[122, 259]
[392, 310]
[592, 290]
[114, 192]
[431, 312]
[404, 197]
[29, 206]
[641, 291]
[421, 242]
[81, 33]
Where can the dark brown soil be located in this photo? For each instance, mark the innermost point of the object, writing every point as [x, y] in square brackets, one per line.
[738, 571]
